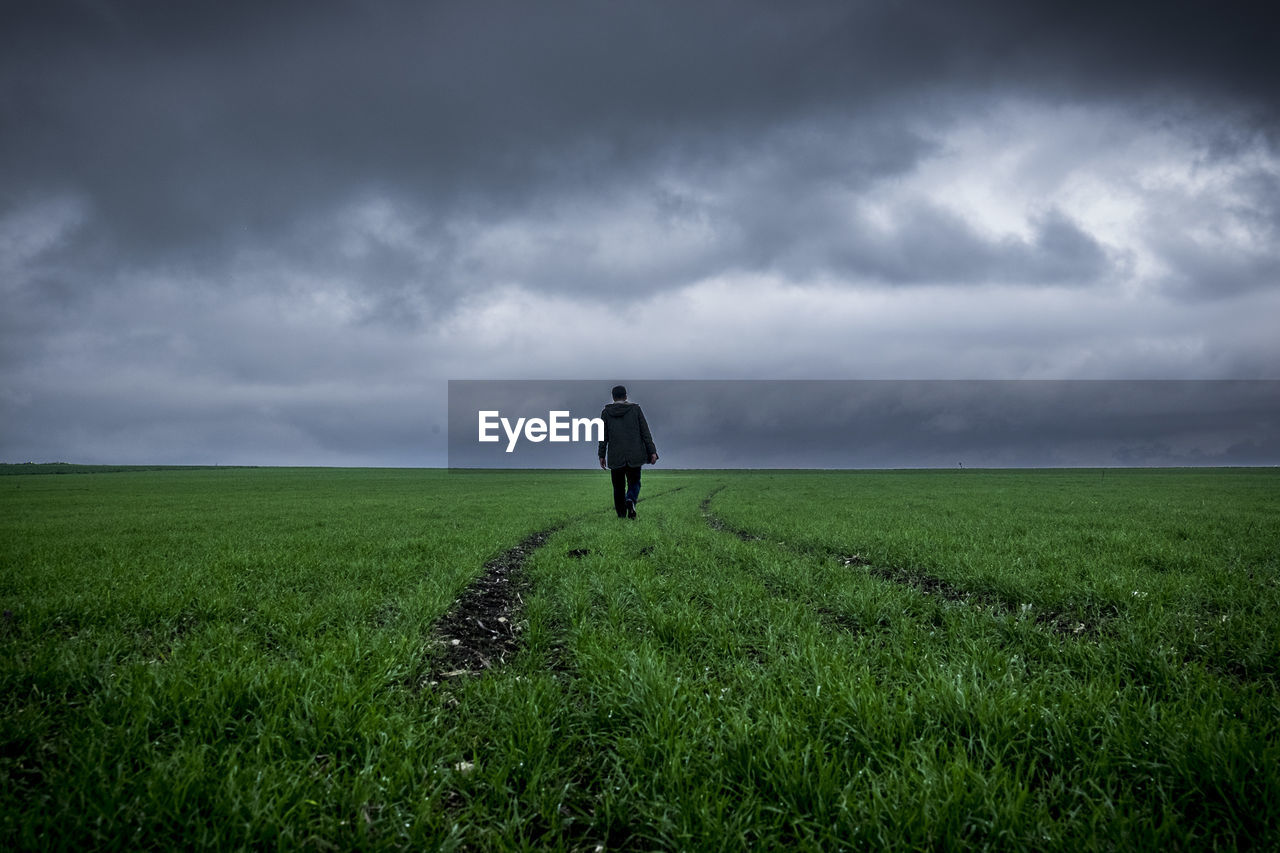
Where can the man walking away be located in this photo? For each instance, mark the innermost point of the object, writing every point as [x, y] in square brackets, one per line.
[627, 445]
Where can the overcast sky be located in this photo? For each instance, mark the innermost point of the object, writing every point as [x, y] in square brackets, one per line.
[269, 233]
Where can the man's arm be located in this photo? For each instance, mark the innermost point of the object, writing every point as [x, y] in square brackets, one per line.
[604, 441]
[650, 450]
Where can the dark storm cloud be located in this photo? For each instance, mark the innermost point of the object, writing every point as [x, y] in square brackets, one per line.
[198, 124]
[934, 245]
[190, 126]
[1230, 248]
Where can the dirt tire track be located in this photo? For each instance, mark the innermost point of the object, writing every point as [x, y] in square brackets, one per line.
[924, 583]
[717, 523]
[483, 627]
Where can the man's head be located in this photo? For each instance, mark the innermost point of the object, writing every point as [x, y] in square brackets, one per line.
[619, 392]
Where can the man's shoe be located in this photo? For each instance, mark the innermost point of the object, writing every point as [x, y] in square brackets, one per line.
[631, 509]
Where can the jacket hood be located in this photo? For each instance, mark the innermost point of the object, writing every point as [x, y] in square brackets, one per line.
[618, 409]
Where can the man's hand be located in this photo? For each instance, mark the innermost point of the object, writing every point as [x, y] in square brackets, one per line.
[602, 463]
[653, 459]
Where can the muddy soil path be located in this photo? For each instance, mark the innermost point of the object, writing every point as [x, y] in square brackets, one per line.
[482, 629]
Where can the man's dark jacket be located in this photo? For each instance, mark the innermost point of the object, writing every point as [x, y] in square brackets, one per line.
[626, 436]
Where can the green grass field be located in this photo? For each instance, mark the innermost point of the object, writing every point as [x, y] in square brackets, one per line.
[1041, 660]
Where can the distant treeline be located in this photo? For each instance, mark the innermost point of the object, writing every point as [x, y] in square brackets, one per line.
[72, 468]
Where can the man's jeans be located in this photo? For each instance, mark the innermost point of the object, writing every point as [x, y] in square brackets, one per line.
[627, 477]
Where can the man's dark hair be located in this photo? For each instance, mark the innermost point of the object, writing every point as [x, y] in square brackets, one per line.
[619, 392]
